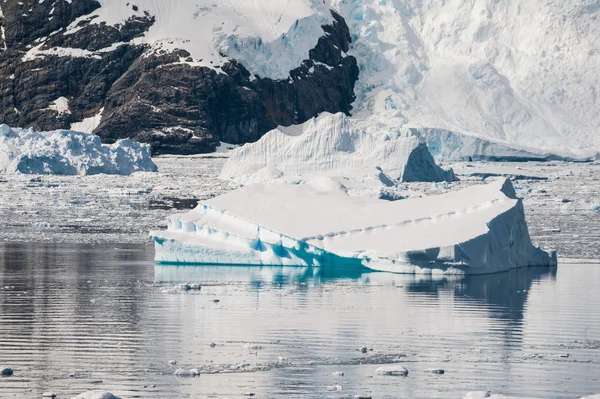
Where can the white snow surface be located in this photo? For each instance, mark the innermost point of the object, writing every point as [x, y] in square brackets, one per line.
[269, 37]
[333, 144]
[481, 229]
[66, 152]
[520, 72]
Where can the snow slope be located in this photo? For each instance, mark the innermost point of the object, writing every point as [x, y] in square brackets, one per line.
[65, 152]
[480, 229]
[269, 37]
[522, 72]
[332, 144]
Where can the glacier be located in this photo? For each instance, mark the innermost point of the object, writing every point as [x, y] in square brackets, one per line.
[65, 152]
[514, 72]
[333, 144]
[481, 229]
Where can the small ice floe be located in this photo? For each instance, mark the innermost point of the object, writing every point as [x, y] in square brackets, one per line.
[239, 366]
[394, 370]
[187, 373]
[436, 371]
[282, 359]
[173, 362]
[179, 288]
[96, 395]
[478, 395]
[6, 371]
[253, 347]
[335, 388]
[338, 373]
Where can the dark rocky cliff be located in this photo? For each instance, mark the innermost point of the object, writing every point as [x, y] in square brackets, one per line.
[153, 98]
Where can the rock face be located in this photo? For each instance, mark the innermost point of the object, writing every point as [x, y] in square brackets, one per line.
[152, 96]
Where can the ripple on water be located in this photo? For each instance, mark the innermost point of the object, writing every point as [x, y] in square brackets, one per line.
[77, 317]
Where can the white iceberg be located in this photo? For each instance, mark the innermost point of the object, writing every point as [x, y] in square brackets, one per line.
[480, 229]
[65, 152]
[332, 144]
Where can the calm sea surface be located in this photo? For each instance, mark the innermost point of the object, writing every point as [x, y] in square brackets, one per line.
[81, 317]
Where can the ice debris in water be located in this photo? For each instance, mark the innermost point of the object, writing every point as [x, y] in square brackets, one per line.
[338, 373]
[394, 370]
[335, 388]
[96, 395]
[185, 287]
[436, 371]
[187, 373]
[65, 152]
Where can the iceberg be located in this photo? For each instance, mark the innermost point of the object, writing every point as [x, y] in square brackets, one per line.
[332, 143]
[65, 152]
[480, 229]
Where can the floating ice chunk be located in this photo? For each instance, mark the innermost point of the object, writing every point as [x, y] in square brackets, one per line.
[477, 395]
[481, 229]
[65, 152]
[187, 373]
[96, 395]
[394, 370]
[332, 143]
[335, 388]
[338, 373]
[436, 371]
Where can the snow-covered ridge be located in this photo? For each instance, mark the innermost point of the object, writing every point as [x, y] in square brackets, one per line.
[69, 153]
[481, 229]
[521, 72]
[332, 144]
[268, 37]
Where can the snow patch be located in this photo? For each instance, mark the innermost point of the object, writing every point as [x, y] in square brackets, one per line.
[88, 125]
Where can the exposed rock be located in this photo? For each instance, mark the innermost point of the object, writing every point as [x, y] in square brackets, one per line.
[150, 95]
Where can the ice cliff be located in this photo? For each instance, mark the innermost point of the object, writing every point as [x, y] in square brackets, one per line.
[481, 229]
[66, 152]
[333, 144]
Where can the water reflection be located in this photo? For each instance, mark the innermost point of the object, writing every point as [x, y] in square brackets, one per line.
[75, 315]
[505, 293]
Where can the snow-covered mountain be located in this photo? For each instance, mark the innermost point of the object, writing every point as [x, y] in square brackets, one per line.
[183, 74]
